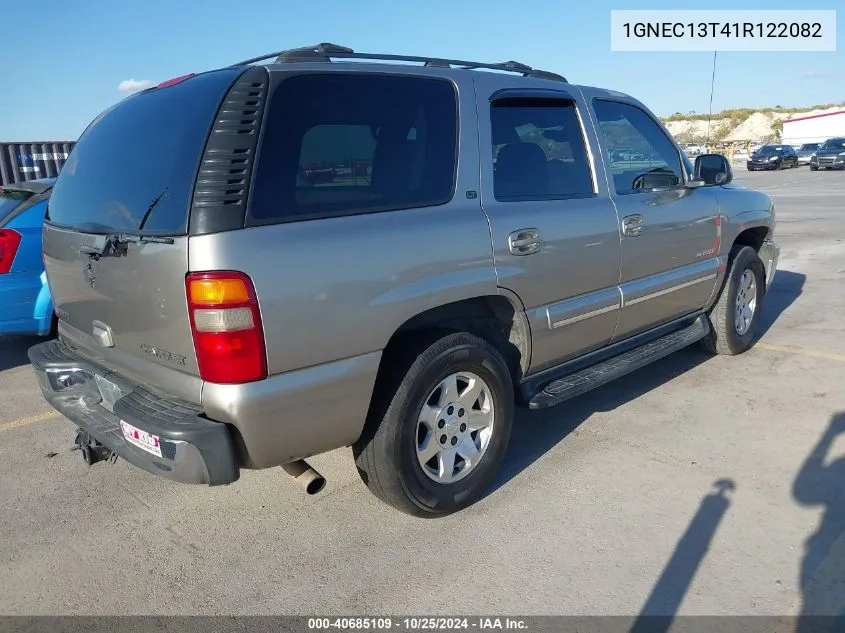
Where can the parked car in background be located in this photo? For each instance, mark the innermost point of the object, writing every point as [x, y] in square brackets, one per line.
[227, 315]
[805, 152]
[831, 155]
[693, 149]
[772, 157]
[26, 305]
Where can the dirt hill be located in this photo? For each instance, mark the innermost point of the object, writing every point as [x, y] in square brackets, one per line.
[744, 124]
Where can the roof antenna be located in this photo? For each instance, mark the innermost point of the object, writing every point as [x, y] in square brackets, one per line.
[710, 115]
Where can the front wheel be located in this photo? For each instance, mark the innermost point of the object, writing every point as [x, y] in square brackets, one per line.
[439, 425]
[814, 167]
[735, 318]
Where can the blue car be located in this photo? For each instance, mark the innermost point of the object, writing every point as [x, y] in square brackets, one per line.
[26, 305]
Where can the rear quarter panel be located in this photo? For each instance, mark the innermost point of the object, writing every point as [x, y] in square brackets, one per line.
[335, 289]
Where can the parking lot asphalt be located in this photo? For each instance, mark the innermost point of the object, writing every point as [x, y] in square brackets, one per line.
[690, 487]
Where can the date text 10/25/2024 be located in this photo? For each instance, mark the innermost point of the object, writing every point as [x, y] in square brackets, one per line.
[416, 624]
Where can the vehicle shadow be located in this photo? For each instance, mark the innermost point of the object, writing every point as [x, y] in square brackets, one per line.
[668, 593]
[536, 432]
[786, 288]
[13, 350]
[823, 567]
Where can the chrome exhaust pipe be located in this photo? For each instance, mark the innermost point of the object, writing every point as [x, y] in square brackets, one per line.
[305, 476]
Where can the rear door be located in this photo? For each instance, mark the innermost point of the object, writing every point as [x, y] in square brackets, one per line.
[670, 233]
[554, 229]
[132, 171]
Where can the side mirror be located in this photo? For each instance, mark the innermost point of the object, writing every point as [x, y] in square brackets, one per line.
[712, 169]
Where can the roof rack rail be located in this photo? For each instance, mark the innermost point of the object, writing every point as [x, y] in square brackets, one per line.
[325, 51]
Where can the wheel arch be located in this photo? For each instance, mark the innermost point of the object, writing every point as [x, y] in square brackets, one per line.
[753, 236]
[499, 319]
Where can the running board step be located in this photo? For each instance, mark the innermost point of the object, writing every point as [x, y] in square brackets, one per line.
[602, 373]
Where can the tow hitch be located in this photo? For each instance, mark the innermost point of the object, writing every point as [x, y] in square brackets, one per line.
[92, 451]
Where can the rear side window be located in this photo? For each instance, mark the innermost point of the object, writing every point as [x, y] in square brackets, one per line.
[538, 151]
[341, 144]
[134, 168]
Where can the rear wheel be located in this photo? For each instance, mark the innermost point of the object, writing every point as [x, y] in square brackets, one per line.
[735, 317]
[439, 425]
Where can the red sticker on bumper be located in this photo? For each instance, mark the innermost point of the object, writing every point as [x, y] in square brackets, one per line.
[141, 439]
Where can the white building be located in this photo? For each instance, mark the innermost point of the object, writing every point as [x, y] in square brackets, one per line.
[815, 128]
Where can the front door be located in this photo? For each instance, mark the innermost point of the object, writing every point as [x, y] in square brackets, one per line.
[554, 229]
[670, 232]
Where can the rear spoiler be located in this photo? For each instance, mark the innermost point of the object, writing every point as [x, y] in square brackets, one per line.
[33, 186]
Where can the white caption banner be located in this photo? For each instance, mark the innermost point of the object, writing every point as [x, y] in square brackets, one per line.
[723, 30]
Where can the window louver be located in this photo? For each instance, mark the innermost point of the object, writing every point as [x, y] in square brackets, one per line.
[222, 186]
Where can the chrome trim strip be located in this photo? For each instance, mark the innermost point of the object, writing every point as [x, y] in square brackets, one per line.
[585, 315]
[666, 291]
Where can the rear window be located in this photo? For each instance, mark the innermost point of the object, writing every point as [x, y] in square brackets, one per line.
[340, 144]
[133, 169]
[11, 200]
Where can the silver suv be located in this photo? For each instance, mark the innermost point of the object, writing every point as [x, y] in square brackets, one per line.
[266, 262]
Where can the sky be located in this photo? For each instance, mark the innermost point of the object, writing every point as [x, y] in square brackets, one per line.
[68, 61]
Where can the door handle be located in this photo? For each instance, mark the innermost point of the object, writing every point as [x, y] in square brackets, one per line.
[524, 242]
[632, 225]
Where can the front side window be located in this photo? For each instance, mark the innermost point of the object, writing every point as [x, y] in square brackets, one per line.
[640, 155]
[538, 151]
[340, 144]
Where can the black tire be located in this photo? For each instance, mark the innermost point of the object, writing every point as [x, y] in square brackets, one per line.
[814, 167]
[385, 455]
[724, 338]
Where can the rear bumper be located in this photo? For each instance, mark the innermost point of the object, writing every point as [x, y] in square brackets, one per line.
[193, 449]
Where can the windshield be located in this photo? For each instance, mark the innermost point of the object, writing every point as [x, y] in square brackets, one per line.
[11, 200]
[834, 143]
[769, 150]
[810, 146]
[135, 165]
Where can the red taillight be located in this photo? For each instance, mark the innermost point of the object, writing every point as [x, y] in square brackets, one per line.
[9, 242]
[175, 80]
[226, 326]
